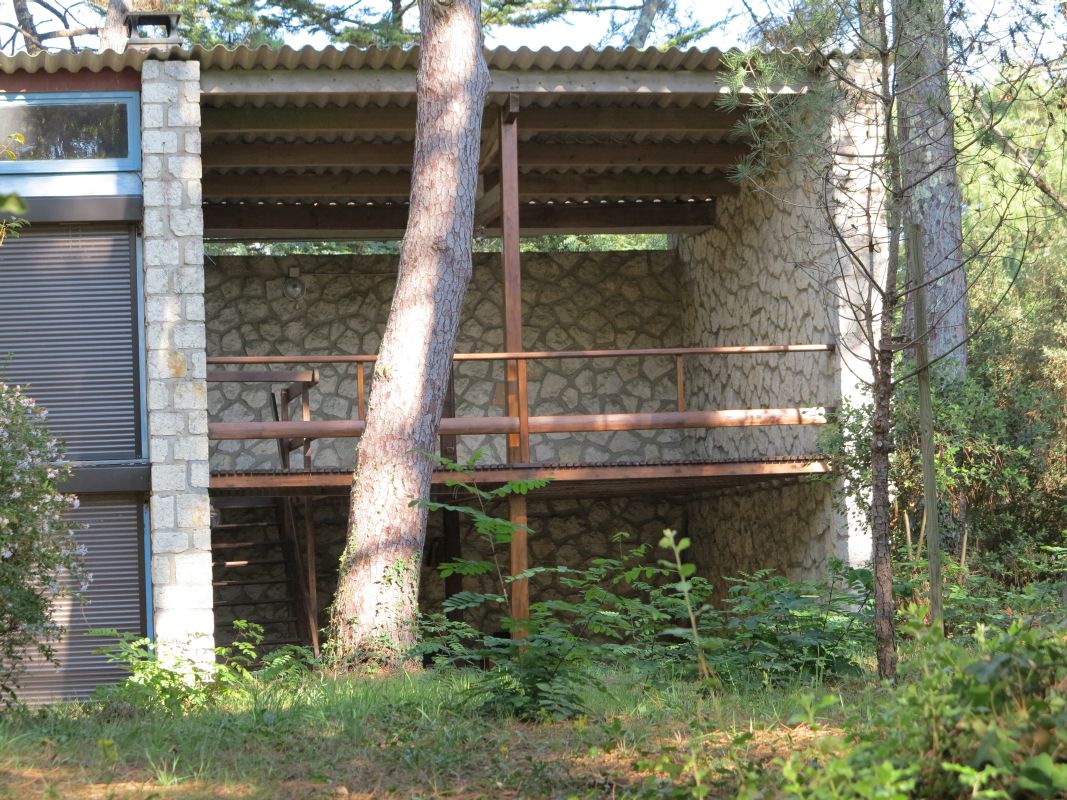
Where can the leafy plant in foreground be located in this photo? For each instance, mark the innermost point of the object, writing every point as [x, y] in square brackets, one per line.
[175, 686]
[989, 722]
[39, 558]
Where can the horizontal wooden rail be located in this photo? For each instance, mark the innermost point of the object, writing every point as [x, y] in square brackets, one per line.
[577, 423]
[535, 355]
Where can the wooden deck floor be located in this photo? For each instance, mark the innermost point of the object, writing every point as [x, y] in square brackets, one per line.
[568, 480]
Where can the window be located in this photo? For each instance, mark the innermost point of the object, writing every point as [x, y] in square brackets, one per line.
[73, 132]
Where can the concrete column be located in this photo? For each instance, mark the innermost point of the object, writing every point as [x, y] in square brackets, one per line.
[858, 193]
[174, 337]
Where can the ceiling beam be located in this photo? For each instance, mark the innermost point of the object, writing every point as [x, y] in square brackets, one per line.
[349, 186]
[573, 156]
[611, 119]
[298, 222]
[354, 186]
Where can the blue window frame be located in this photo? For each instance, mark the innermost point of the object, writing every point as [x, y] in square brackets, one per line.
[72, 132]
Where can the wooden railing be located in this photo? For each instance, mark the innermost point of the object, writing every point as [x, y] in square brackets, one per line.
[519, 424]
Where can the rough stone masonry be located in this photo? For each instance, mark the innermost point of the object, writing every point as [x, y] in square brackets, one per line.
[177, 371]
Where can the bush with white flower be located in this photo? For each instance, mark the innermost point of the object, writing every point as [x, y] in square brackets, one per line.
[39, 558]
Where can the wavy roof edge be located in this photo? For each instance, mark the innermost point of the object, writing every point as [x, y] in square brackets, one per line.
[372, 58]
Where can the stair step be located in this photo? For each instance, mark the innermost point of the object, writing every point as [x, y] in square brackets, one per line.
[249, 603]
[252, 562]
[250, 583]
[239, 545]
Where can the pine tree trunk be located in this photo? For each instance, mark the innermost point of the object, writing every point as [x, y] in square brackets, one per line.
[113, 34]
[24, 19]
[645, 20]
[374, 613]
[928, 177]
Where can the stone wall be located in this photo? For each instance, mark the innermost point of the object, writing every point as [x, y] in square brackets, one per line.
[174, 340]
[570, 301]
[773, 271]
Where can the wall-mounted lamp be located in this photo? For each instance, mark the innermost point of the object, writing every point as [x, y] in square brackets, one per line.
[294, 287]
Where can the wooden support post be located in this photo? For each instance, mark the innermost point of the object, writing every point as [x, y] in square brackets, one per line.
[518, 444]
[361, 391]
[679, 379]
[312, 575]
[451, 538]
[926, 423]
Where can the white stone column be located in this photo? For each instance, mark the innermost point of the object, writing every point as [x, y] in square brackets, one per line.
[858, 194]
[174, 337]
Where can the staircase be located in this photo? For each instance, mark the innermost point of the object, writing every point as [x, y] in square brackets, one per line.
[259, 572]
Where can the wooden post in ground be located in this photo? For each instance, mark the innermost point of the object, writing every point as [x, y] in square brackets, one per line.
[450, 534]
[518, 444]
[926, 422]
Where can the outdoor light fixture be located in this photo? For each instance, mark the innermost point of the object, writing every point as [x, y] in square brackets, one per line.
[294, 287]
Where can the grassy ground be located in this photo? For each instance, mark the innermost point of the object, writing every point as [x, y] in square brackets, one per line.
[406, 736]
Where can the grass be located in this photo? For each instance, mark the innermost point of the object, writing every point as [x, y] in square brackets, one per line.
[406, 735]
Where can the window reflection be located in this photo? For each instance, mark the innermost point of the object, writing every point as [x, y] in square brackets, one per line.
[64, 132]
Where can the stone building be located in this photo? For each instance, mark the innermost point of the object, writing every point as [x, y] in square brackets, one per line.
[212, 403]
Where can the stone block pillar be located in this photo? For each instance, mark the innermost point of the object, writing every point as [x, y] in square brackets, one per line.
[857, 191]
[176, 361]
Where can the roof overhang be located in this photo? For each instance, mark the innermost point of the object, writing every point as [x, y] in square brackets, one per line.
[313, 144]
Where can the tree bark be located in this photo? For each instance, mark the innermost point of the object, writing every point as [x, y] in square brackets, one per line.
[374, 614]
[645, 19]
[113, 34]
[24, 19]
[928, 173]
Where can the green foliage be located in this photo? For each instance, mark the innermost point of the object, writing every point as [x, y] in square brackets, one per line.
[174, 686]
[780, 629]
[989, 722]
[39, 558]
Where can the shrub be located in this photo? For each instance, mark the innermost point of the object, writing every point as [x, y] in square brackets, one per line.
[178, 687]
[39, 559]
[780, 629]
[988, 722]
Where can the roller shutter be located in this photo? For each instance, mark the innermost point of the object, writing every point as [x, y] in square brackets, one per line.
[111, 531]
[67, 326]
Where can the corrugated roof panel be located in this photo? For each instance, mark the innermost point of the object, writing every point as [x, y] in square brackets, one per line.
[372, 58]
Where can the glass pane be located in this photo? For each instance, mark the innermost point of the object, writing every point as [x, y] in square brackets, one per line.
[62, 132]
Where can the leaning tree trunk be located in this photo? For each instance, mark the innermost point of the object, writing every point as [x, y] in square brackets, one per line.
[928, 174]
[645, 20]
[113, 34]
[374, 614]
[24, 19]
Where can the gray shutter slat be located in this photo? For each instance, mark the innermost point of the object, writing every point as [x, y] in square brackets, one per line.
[111, 534]
[67, 320]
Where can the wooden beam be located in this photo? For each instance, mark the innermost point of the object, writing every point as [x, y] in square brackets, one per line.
[555, 119]
[307, 120]
[511, 258]
[333, 154]
[615, 119]
[582, 156]
[640, 476]
[561, 186]
[290, 222]
[571, 156]
[310, 187]
[617, 218]
[540, 355]
[572, 423]
[296, 222]
[352, 186]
